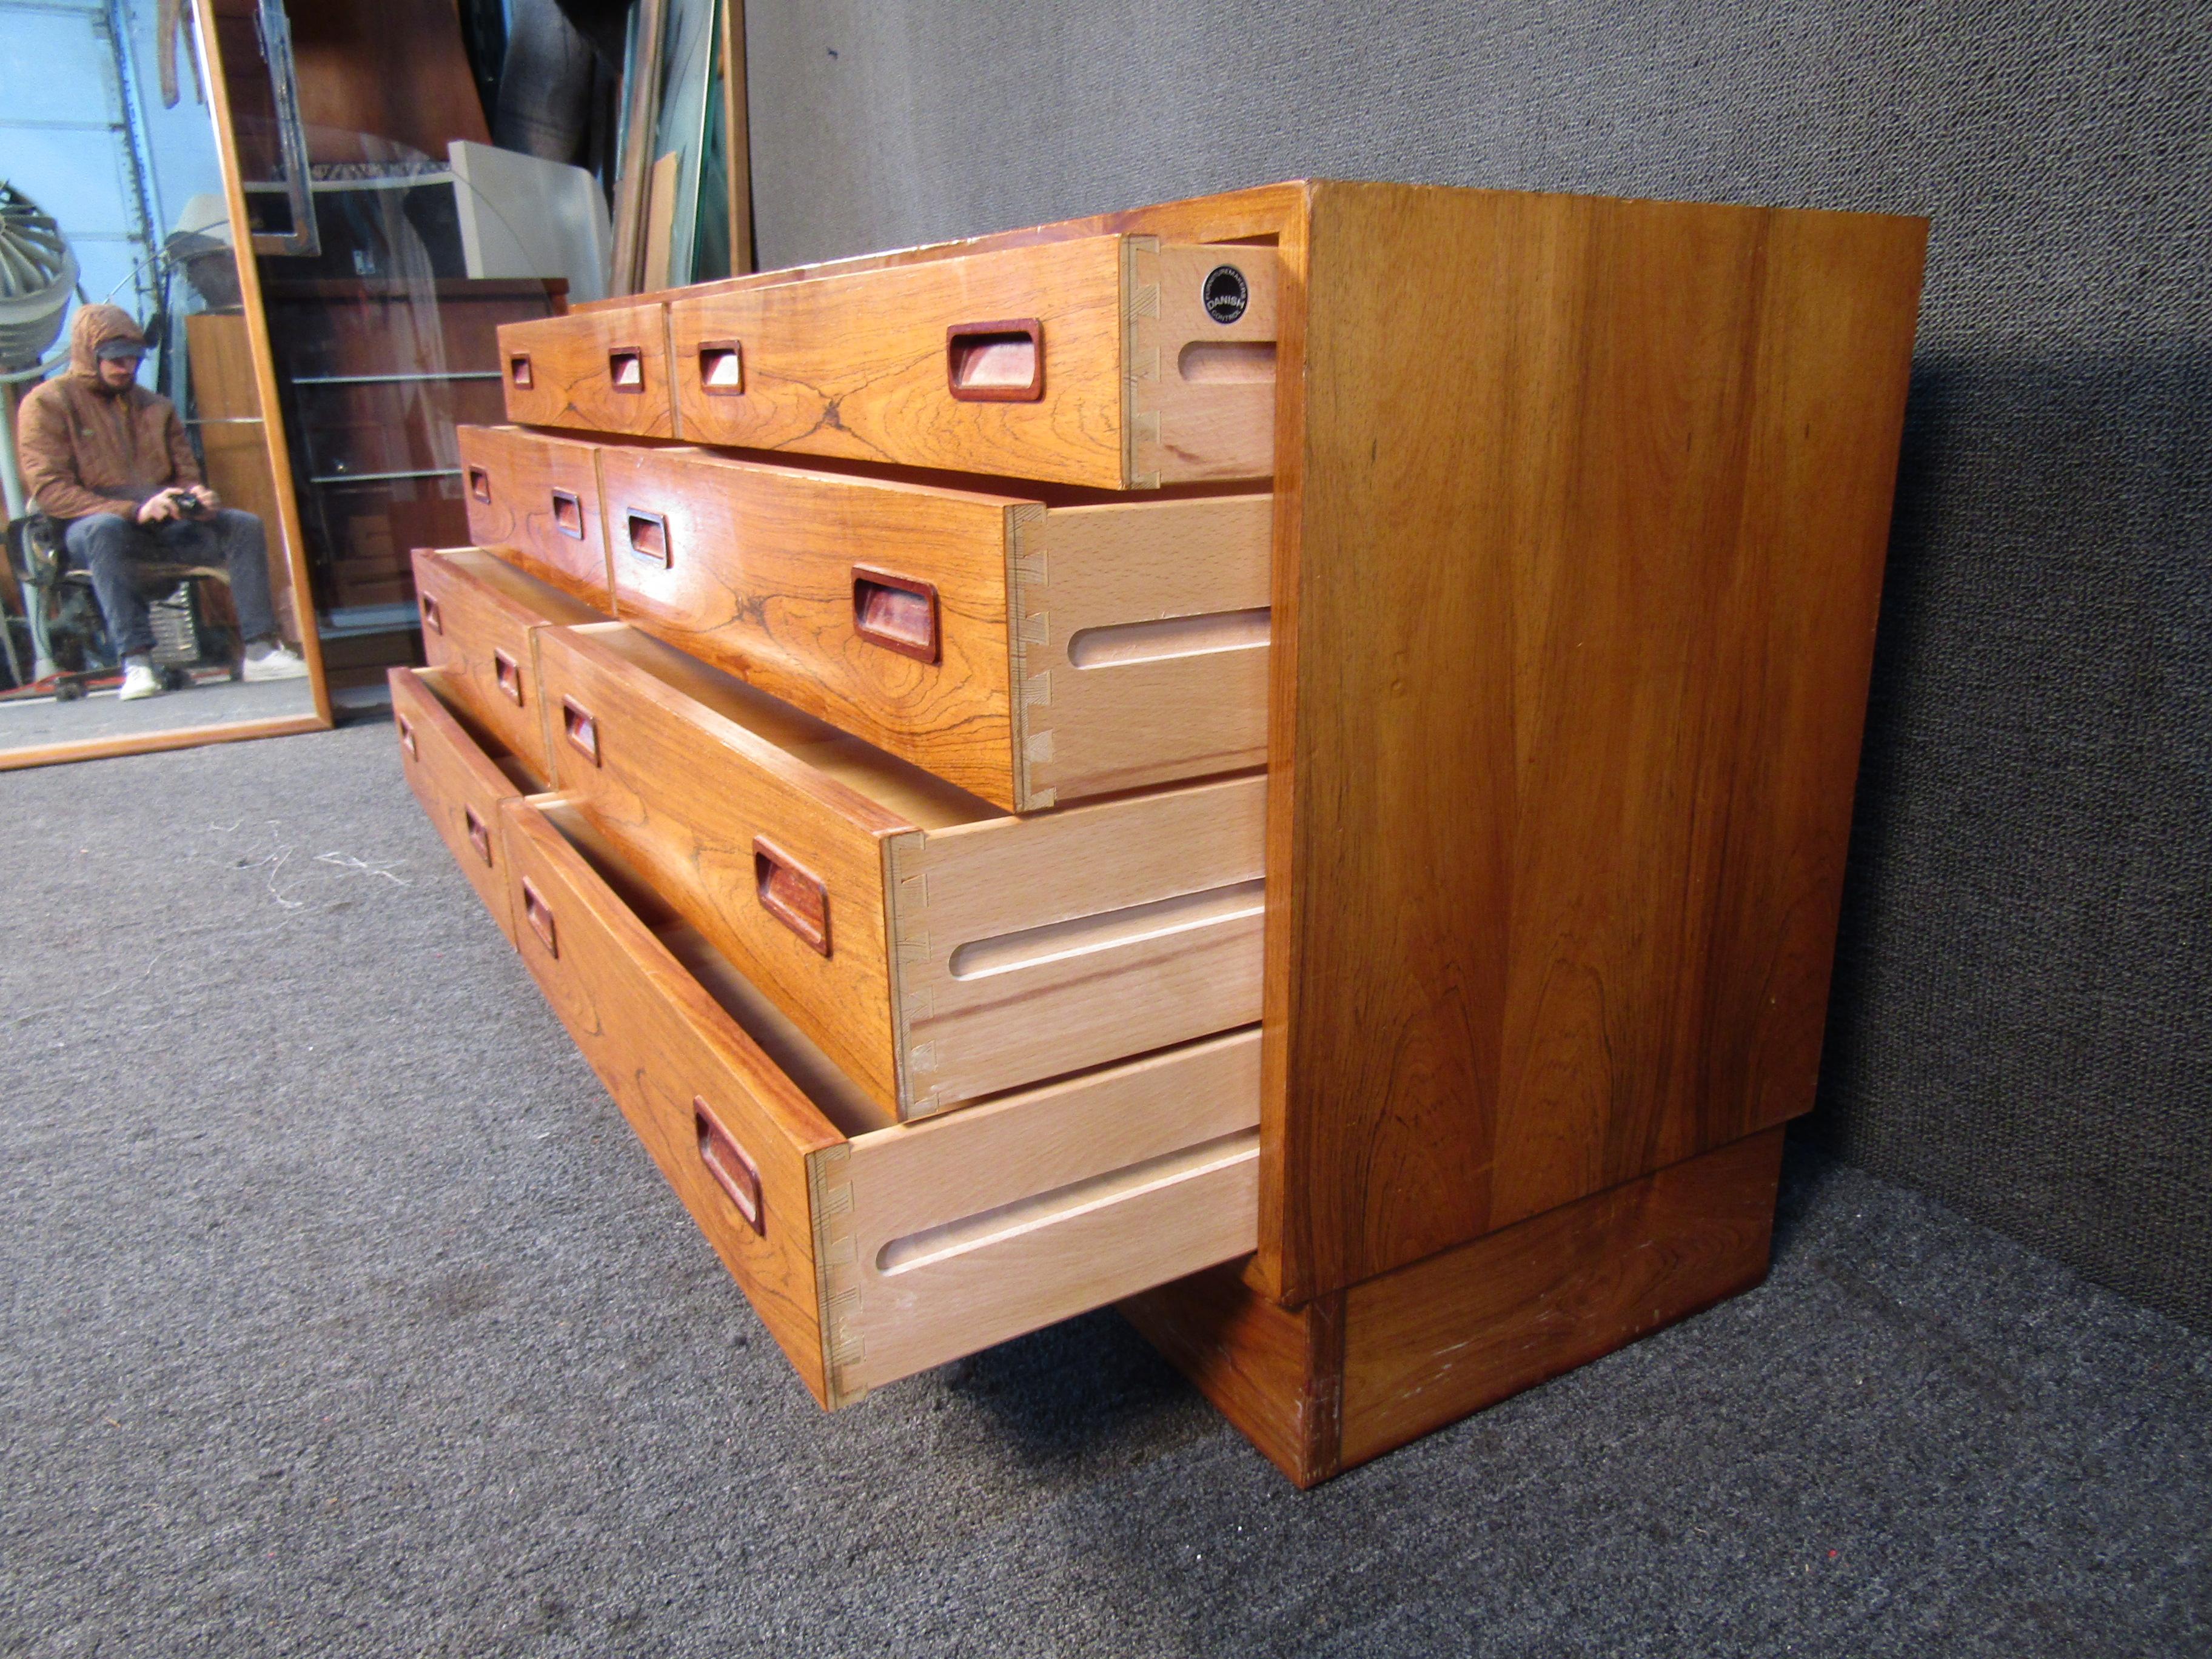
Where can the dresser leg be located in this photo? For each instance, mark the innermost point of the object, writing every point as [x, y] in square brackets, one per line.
[1351, 1375]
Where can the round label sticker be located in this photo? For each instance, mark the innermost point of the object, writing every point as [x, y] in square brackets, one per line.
[1225, 293]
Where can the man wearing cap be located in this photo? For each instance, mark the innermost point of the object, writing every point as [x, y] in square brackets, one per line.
[109, 458]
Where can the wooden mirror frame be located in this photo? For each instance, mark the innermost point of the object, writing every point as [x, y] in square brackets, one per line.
[284, 535]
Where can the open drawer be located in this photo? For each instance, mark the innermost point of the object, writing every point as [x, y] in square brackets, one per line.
[1028, 649]
[1109, 361]
[479, 614]
[873, 1250]
[937, 950]
[460, 779]
[535, 500]
[603, 370]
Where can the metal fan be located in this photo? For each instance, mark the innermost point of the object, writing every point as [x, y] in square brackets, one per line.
[38, 273]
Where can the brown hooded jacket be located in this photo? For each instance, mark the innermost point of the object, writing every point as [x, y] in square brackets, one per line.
[85, 449]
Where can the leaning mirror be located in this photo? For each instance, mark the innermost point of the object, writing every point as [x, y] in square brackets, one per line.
[155, 593]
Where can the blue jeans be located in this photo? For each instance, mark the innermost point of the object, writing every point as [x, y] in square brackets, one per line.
[107, 546]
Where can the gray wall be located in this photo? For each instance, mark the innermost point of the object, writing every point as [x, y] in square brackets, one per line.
[2022, 1020]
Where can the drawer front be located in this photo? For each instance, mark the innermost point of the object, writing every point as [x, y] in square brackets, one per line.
[933, 967]
[665, 1050]
[535, 499]
[780, 867]
[879, 607]
[902, 1247]
[601, 370]
[1024, 362]
[886, 608]
[460, 786]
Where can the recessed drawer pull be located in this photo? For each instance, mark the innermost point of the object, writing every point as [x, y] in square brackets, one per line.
[407, 737]
[517, 370]
[568, 514]
[722, 369]
[509, 675]
[581, 729]
[733, 1172]
[793, 895]
[626, 368]
[896, 612]
[996, 362]
[433, 617]
[648, 537]
[480, 836]
[539, 914]
[479, 483]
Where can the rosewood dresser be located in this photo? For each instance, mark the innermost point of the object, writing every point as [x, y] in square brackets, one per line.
[1282, 761]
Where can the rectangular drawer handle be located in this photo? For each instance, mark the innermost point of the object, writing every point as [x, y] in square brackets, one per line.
[793, 895]
[479, 483]
[433, 617]
[517, 370]
[626, 368]
[722, 369]
[480, 836]
[896, 612]
[568, 514]
[581, 729]
[649, 537]
[733, 1172]
[509, 675]
[995, 362]
[407, 737]
[539, 914]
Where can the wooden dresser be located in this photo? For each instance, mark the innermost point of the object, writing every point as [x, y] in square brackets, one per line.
[1283, 760]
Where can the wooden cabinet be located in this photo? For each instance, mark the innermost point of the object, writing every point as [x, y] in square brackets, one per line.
[375, 374]
[1574, 516]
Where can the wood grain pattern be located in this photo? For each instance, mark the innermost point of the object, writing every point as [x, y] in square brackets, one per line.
[969, 1228]
[755, 574]
[571, 383]
[657, 1040]
[855, 366]
[683, 787]
[1430, 1342]
[1124, 972]
[759, 582]
[1583, 591]
[486, 610]
[1277, 1373]
[460, 786]
[903, 1247]
[534, 500]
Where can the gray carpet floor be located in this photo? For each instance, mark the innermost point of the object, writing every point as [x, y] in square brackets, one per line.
[344, 1317]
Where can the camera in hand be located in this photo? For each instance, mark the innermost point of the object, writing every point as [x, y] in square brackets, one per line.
[189, 506]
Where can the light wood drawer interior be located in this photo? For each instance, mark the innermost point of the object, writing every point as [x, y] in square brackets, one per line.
[1092, 361]
[1030, 649]
[939, 950]
[873, 1250]
[479, 615]
[460, 778]
[534, 500]
[603, 370]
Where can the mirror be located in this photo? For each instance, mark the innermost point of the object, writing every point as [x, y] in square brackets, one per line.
[155, 591]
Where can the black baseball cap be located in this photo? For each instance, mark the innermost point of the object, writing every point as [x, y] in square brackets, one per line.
[117, 350]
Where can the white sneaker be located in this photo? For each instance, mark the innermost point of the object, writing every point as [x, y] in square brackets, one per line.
[275, 664]
[139, 680]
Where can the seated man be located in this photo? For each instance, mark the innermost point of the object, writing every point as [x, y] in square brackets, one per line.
[108, 458]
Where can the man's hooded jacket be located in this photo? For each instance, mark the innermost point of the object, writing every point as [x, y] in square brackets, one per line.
[85, 449]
